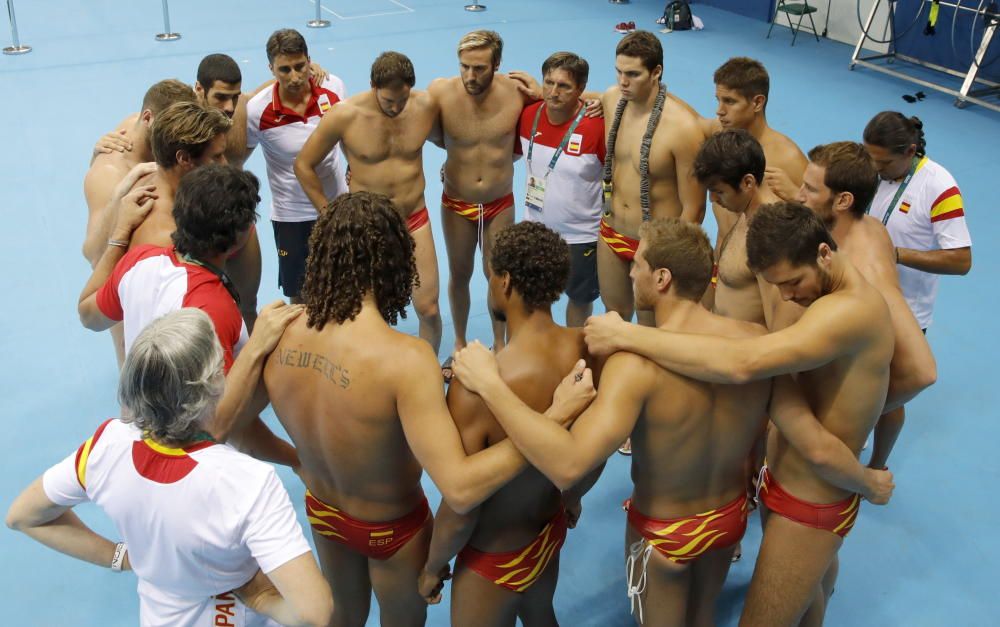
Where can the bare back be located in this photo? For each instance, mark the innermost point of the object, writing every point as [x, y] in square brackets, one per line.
[533, 365]
[386, 153]
[159, 225]
[479, 135]
[870, 249]
[334, 392]
[692, 439]
[675, 143]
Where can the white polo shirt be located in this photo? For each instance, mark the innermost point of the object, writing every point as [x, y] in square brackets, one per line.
[198, 521]
[930, 215]
[573, 201]
[281, 134]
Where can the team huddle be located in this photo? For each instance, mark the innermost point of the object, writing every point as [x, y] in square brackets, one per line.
[756, 371]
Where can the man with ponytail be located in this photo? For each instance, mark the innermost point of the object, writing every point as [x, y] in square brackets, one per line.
[921, 206]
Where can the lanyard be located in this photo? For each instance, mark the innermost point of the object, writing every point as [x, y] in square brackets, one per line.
[226, 281]
[899, 192]
[562, 145]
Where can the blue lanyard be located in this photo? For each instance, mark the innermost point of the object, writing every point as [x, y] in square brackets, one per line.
[899, 192]
[562, 145]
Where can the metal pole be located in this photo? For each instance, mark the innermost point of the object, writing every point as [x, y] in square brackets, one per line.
[17, 48]
[319, 22]
[475, 7]
[166, 35]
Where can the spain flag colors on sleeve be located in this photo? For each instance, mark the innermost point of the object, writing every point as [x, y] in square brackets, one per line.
[948, 205]
[83, 454]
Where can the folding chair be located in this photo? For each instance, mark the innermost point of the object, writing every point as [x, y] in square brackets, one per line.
[802, 9]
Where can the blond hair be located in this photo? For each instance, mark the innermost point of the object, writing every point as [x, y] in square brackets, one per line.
[187, 126]
[483, 39]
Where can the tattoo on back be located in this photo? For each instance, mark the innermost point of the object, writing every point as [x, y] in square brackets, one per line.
[334, 373]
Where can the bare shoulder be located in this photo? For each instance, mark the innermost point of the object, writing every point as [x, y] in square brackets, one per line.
[735, 329]
[443, 87]
[128, 122]
[611, 96]
[781, 150]
[411, 355]
[628, 366]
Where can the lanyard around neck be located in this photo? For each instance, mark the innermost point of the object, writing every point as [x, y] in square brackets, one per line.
[899, 192]
[223, 277]
[562, 145]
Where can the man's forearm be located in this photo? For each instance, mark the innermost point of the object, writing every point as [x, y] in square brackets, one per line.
[70, 536]
[259, 442]
[838, 466]
[701, 357]
[481, 475]
[102, 271]
[955, 261]
[311, 184]
[549, 447]
[451, 533]
[241, 384]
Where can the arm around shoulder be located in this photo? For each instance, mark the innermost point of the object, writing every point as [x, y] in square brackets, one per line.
[465, 481]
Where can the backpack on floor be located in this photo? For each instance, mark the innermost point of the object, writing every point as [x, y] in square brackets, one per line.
[677, 15]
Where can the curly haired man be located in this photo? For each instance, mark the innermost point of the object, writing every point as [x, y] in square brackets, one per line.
[366, 409]
[529, 268]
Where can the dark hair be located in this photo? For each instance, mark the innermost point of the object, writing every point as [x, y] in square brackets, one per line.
[575, 65]
[218, 67]
[286, 41]
[212, 206]
[537, 260]
[165, 93]
[359, 245]
[392, 68]
[849, 168]
[744, 75]
[682, 248]
[644, 46]
[785, 231]
[186, 126]
[728, 156]
[896, 133]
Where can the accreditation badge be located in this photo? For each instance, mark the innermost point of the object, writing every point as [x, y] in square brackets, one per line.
[535, 199]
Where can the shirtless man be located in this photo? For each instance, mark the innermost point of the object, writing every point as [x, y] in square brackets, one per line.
[218, 86]
[382, 133]
[742, 88]
[841, 348]
[185, 136]
[480, 110]
[643, 183]
[108, 169]
[731, 165]
[529, 268]
[838, 186]
[366, 409]
[690, 438]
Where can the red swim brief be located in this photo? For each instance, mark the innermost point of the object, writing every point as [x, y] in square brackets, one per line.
[683, 540]
[417, 219]
[375, 540]
[836, 517]
[518, 570]
[622, 245]
[472, 211]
